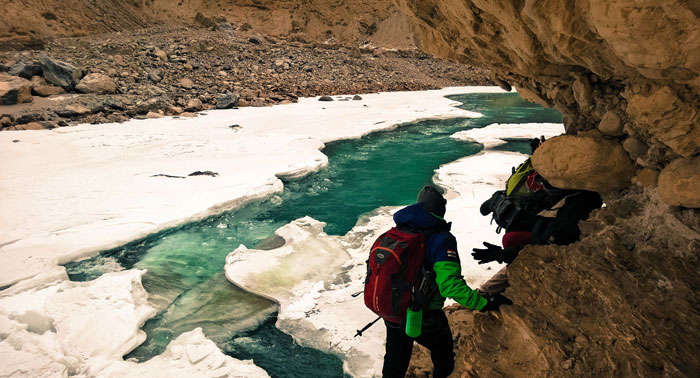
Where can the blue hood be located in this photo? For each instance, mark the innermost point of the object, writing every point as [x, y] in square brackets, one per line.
[415, 216]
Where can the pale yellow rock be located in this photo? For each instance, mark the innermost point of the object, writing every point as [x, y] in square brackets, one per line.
[610, 124]
[97, 83]
[574, 162]
[679, 183]
[670, 120]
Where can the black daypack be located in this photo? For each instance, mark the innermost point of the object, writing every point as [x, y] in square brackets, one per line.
[518, 205]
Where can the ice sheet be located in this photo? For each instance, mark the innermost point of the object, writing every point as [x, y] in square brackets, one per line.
[497, 134]
[70, 192]
[54, 327]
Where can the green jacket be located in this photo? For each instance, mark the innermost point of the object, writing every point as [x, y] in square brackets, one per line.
[448, 276]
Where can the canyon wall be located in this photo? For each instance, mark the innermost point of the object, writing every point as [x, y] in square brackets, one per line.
[26, 23]
[625, 75]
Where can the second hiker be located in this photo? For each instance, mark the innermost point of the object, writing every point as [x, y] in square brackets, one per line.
[411, 270]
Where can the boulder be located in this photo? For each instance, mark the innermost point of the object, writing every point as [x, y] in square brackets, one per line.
[41, 88]
[193, 105]
[635, 147]
[153, 115]
[325, 98]
[155, 75]
[679, 183]
[25, 70]
[161, 55]
[575, 162]
[73, 110]
[31, 126]
[646, 177]
[357, 97]
[97, 83]
[185, 83]
[14, 90]
[60, 73]
[611, 124]
[227, 101]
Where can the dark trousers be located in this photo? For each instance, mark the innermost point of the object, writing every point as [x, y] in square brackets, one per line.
[436, 336]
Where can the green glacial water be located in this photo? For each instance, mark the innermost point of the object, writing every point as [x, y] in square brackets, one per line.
[185, 277]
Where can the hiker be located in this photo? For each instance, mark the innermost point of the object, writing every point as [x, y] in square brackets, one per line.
[532, 212]
[423, 234]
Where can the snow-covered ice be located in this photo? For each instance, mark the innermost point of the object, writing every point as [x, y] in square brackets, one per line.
[497, 134]
[316, 303]
[51, 327]
[190, 355]
[70, 192]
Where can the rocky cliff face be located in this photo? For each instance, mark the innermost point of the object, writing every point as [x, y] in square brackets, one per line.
[382, 23]
[626, 71]
[626, 76]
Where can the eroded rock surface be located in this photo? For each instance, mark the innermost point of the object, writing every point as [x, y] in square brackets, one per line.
[630, 67]
[584, 163]
[626, 77]
[621, 302]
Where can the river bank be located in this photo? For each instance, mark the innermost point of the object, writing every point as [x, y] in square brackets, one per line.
[162, 71]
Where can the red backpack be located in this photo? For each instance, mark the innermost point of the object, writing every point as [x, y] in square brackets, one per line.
[393, 269]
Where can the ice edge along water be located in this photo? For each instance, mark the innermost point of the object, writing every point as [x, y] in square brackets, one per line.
[313, 275]
[91, 188]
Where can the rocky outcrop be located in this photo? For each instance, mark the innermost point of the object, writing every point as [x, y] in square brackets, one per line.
[679, 183]
[62, 74]
[14, 90]
[605, 65]
[626, 77]
[581, 162]
[620, 302]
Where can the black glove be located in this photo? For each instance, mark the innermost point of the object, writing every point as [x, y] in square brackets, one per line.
[491, 253]
[495, 253]
[494, 301]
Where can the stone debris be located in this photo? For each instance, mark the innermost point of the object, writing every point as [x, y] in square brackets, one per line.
[223, 67]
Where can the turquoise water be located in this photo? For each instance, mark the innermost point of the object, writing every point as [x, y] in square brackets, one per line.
[185, 279]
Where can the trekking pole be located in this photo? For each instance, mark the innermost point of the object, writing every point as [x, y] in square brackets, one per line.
[359, 331]
[358, 293]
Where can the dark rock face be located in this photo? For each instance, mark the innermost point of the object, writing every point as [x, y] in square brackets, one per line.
[26, 70]
[227, 101]
[59, 73]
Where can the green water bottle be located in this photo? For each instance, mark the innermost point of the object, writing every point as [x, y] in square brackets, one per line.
[414, 322]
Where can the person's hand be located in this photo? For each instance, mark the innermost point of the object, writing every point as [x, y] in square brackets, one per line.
[488, 254]
[495, 301]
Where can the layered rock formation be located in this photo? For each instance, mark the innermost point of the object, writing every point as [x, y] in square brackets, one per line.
[625, 75]
[625, 71]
